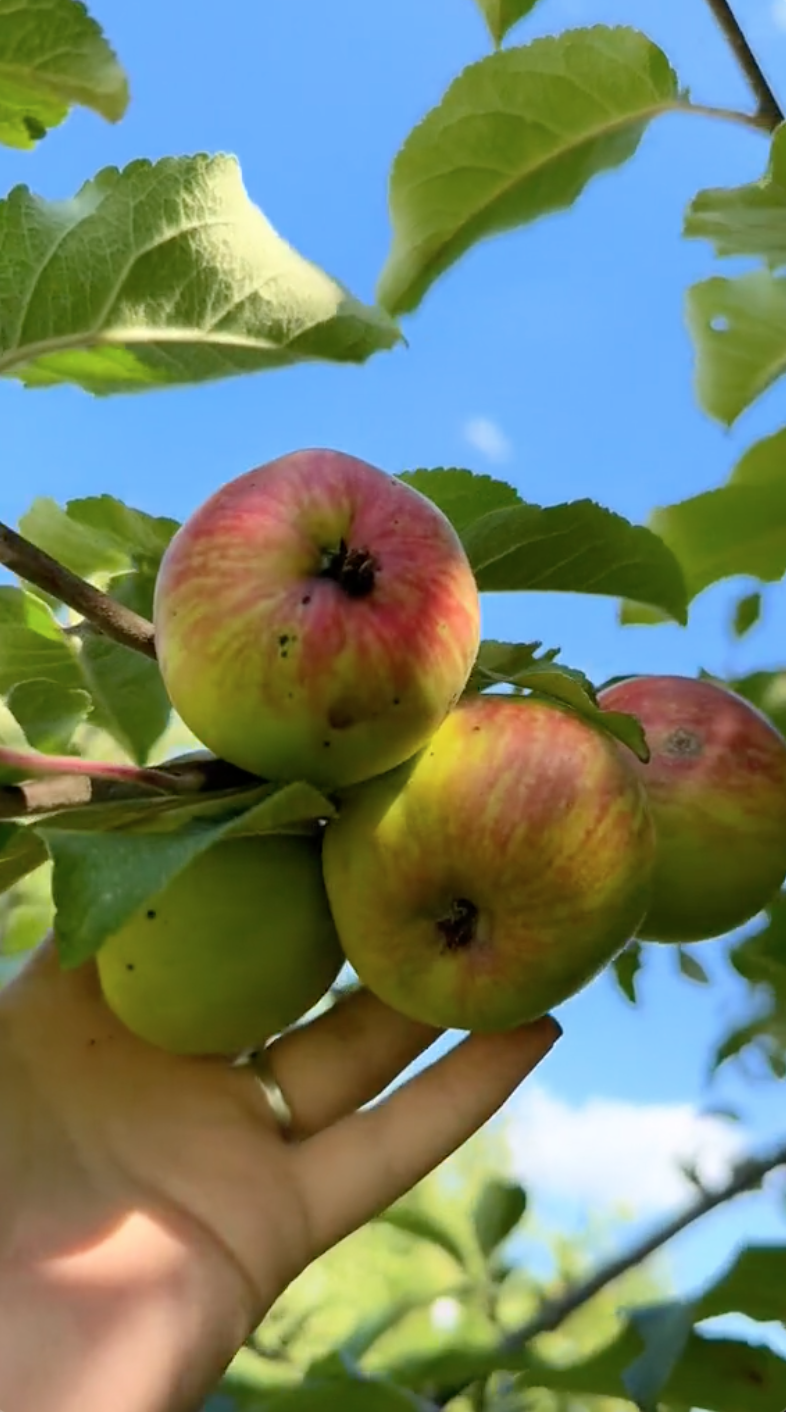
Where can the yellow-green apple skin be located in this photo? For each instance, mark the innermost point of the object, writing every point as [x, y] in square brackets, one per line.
[492, 876]
[238, 946]
[716, 783]
[316, 619]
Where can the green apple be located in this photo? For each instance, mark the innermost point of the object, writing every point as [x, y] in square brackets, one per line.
[316, 619]
[716, 783]
[238, 946]
[493, 875]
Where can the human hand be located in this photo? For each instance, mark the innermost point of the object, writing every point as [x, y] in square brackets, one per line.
[152, 1208]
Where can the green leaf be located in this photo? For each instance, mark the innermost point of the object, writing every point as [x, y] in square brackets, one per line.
[746, 220]
[574, 548]
[342, 1395]
[505, 662]
[33, 645]
[21, 608]
[53, 55]
[626, 968]
[738, 327]
[739, 529]
[747, 612]
[463, 496]
[763, 463]
[136, 866]
[502, 15]
[368, 1332]
[725, 1375]
[21, 851]
[97, 535]
[752, 1285]
[664, 1330]
[761, 958]
[691, 968]
[755, 1034]
[498, 1210]
[187, 282]
[409, 1219]
[48, 713]
[516, 136]
[131, 701]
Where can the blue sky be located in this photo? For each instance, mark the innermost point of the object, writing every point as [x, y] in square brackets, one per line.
[556, 357]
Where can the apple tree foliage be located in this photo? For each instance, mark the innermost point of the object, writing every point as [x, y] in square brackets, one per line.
[164, 274]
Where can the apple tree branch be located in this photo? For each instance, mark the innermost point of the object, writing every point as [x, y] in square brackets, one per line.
[769, 110]
[746, 1176]
[110, 618]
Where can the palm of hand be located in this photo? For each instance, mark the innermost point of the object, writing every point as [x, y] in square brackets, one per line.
[148, 1195]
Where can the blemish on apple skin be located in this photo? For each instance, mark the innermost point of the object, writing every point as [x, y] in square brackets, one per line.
[326, 744]
[683, 743]
[306, 600]
[130, 966]
[151, 913]
[396, 700]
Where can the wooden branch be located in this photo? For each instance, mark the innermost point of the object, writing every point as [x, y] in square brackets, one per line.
[75, 791]
[110, 618]
[747, 1175]
[769, 109]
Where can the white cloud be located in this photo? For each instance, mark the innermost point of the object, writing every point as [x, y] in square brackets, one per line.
[605, 1152]
[488, 438]
[778, 13]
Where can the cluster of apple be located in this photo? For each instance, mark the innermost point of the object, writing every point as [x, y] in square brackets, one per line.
[318, 620]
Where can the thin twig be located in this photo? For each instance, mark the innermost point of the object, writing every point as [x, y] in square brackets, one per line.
[35, 797]
[107, 616]
[769, 109]
[552, 1313]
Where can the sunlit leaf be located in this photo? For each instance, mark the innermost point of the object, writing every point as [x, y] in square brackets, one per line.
[516, 136]
[163, 274]
[53, 55]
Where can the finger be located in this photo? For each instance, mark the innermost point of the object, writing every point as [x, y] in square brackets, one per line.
[356, 1168]
[343, 1058]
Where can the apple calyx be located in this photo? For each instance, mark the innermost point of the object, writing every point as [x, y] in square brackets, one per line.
[683, 742]
[459, 928]
[354, 570]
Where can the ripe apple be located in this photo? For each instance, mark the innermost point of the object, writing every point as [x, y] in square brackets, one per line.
[238, 946]
[316, 619]
[493, 875]
[716, 783]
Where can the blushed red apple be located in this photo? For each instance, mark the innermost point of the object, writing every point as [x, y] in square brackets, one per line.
[493, 875]
[316, 619]
[716, 783]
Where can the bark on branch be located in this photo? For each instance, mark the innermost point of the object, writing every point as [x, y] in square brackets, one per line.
[110, 618]
[769, 109]
[747, 1175]
[182, 778]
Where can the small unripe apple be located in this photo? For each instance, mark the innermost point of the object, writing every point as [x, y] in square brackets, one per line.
[716, 783]
[316, 619]
[238, 946]
[492, 876]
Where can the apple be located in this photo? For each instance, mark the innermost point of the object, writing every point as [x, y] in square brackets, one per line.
[316, 619]
[493, 875]
[239, 945]
[716, 783]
